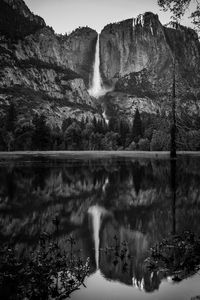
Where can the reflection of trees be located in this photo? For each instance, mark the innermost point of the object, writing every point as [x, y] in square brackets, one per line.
[137, 173]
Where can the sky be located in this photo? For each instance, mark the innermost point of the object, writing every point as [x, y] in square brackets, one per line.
[66, 15]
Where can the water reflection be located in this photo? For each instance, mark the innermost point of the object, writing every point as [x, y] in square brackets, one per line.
[97, 213]
[173, 189]
[137, 201]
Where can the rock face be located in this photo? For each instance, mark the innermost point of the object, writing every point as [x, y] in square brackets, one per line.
[22, 9]
[81, 46]
[42, 69]
[75, 52]
[137, 55]
[123, 106]
[45, 72]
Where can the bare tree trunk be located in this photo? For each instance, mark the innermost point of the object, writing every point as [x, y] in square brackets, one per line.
[173, 126]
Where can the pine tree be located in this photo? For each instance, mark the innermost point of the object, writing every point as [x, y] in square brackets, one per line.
[66, 123]
[41, 137]
[137, 126]
[11, 118]
[8, 130]
[82, 123]
[113, 124]
[123, 132]
[94, 122]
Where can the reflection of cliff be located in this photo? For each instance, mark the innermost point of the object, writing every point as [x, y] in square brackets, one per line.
[128, 266]
[124, 246]
[135, 195]
[31, 197]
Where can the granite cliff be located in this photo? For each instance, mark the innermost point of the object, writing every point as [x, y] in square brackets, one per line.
[42, 71]
[48, 73]
[137, 56]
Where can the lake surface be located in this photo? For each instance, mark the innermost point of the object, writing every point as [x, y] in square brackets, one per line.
[129, 202]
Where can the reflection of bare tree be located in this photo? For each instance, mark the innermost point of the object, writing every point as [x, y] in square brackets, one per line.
[173, 189]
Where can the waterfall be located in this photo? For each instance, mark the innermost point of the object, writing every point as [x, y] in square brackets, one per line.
[96, 86]
[97, 89]
[97, 213]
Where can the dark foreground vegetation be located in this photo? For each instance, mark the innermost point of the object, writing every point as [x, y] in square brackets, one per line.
[145, 133]
[50, 272]
[177, 256]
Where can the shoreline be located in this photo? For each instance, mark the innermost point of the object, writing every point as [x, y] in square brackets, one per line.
[93, 154]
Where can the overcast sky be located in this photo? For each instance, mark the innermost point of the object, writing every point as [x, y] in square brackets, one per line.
[66, 15]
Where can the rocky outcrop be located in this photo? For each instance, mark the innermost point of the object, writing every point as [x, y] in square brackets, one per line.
[16, 20]
[42, 69]
[75, 52]
[81, 49]
[22, 9]
[137, 55]
[123, 106]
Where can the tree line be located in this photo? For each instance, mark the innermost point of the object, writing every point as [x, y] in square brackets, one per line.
[146, 132]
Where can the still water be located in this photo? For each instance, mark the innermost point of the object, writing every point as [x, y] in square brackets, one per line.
[132, 202]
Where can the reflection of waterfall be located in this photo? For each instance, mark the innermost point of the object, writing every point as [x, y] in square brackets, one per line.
[105, 185]
[105, 118]
[138, 284]
[97, 89]
[96, 212]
